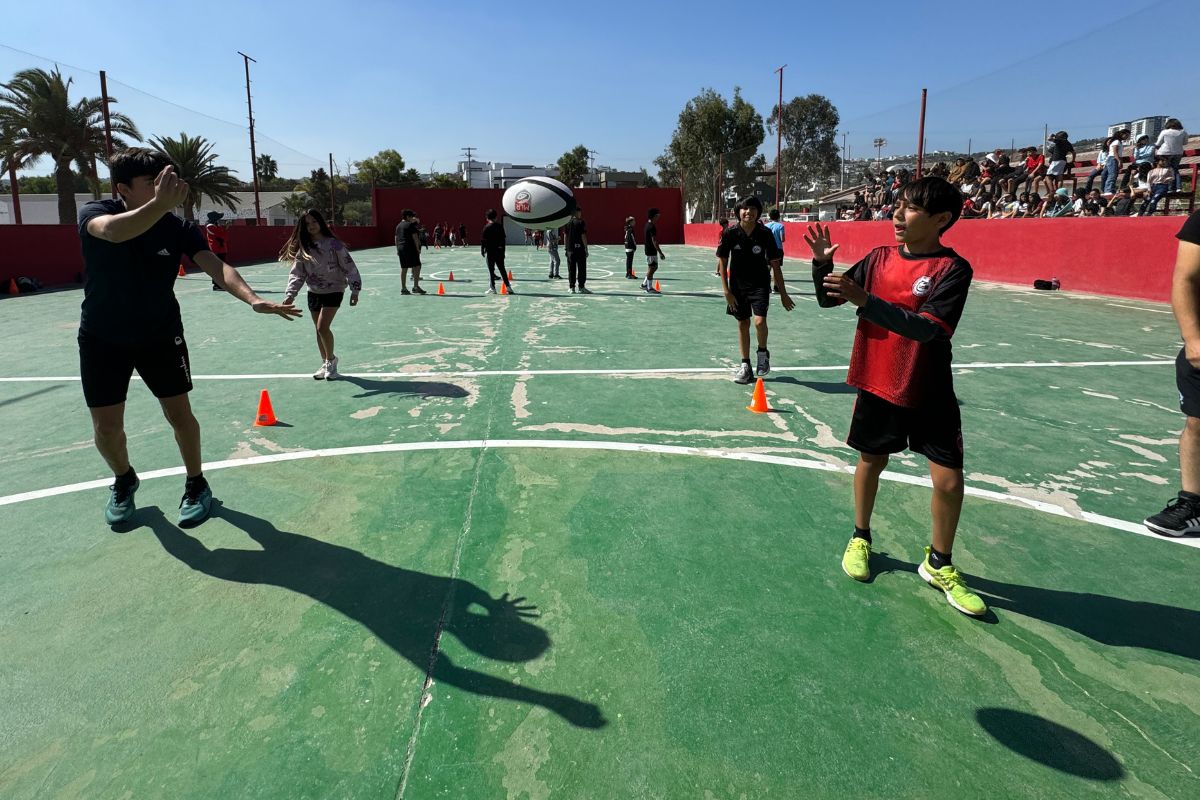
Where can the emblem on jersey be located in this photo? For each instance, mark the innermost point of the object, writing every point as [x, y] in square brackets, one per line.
[922, 286]
[522, 204]
[757, 250]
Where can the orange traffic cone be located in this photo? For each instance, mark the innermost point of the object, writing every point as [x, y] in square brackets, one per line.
[510, 277]
[759, 404]
[503, 288]
[182, 271]
[657, 288]
[441, 289]
[12, 286]
[451, 278]
[266, 414]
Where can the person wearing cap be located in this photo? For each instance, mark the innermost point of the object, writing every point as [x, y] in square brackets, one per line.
[1059, 204]
[217, 241]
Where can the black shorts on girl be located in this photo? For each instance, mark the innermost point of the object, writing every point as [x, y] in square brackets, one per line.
[330, 300]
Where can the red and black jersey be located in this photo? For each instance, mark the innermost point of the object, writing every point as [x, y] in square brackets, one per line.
[216, 238]
[900, 369]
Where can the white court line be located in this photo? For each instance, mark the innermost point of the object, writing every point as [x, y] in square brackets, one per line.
[627, 447]
[1139, 308]
[664, 371]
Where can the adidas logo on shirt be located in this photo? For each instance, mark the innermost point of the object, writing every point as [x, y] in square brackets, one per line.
[164, 252]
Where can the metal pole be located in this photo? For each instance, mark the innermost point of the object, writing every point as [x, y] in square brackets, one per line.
[108, 150]
[969, 150]
[14, 191]
[842, 182]
[779, 134]
[332, 190]
[253, 156]
[1045, 137]
[720, 186]
[921, 136]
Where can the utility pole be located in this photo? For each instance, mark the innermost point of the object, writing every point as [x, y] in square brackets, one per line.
[719, 205]
[469, 151]
[592, 164]
[879, 145]
[332, 194]
[779, 134]
[1045, 137]
[921, 136]
[842, 183]
[253, 156]
[107, 137]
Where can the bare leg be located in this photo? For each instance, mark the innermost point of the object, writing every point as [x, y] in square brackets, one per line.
[108, 428]
[316, 318]
[1189, 455]
[178, 411]
[416, 276]
[744, 338]
[760, 329]
[866, 486]
[946, 505]
[324, 321]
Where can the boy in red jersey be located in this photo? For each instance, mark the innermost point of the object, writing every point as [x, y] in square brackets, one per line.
[909, 300]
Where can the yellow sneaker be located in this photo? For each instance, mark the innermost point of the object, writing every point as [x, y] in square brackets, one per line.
[951, 582]
[855, 561]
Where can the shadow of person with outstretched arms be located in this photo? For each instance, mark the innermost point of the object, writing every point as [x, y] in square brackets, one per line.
[403, 607]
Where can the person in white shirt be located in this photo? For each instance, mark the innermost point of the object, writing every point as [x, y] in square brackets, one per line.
[1112, 167]
[1170, 144]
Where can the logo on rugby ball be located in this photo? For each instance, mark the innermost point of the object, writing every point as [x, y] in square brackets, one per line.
[922, 286]
[522, 203]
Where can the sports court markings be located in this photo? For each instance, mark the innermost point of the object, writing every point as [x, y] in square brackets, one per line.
[627, 447]
[605, 372]
[1141, 308]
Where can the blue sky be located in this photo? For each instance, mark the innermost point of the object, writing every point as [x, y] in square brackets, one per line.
[525, 83]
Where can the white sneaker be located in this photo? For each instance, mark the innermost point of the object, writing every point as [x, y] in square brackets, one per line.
[744, 374]
[491, 290]
[331, 369]
[322, 373]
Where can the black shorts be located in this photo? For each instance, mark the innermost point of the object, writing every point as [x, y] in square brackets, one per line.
[318, 301]
[750, 300]
[408, 261]
[1187, 379]
[933, 430]
[106, 369]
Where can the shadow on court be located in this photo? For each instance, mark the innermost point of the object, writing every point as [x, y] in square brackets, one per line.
[824, 387]
[1107, 620]
[402, 388]
[28, 395]
[1049, 743]
[404, 608]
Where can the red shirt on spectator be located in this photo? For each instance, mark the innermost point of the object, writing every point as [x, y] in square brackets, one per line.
[1034, 162]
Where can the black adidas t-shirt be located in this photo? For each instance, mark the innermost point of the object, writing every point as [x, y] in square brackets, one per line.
[1190, 232]
[651, 239]
[749, 255]
[576, 230]
[129, 292]
[405, 246]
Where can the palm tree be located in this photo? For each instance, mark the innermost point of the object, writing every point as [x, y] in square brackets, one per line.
[10, 162]
[266, 167]
[36, 110]
[194, 162]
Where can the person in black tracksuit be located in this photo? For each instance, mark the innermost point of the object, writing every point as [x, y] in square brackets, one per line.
[630, 247]
[577, 252]
[491, 247]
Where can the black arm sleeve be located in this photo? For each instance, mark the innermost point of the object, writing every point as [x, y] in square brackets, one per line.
[899, 320]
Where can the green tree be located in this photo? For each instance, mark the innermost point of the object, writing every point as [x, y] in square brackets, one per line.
[296, 203]
[266, 167]
[195, 162]
[385, 168]
[37, 113]
[809, 159]
[647, 181]
[447, 180]
[573, 165]
[711, 133]
[357, 212]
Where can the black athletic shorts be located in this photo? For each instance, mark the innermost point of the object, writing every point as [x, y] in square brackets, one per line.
[934, 430]
[1187, 379]
[409, 261]
[318, 301]
[106, 369]
[750, 300]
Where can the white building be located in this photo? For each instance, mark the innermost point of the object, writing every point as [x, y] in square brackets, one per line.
[502, 174]
[42, 209]
[1146, 126]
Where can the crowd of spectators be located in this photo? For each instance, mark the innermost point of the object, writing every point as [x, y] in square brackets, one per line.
[1133, 179]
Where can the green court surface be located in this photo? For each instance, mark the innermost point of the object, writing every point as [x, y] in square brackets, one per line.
[535, 547]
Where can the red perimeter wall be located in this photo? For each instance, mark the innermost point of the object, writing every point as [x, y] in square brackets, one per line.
[1129, 257]
[604, 210]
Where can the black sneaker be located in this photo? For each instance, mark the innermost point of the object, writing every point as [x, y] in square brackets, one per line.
[1181, 517]
[764, 362]
[405, 291]
[419, 290]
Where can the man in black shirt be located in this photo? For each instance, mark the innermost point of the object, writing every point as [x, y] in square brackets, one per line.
[577, 252]
[130, 319]
[491, 247]
[1181, 517]
[653, 251]
[408, 248]
[748, 258]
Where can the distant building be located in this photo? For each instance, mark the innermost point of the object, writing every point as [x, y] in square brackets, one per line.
[1146, 126]
[502, 174]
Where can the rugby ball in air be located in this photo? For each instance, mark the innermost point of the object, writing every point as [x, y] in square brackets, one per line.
[539, 203]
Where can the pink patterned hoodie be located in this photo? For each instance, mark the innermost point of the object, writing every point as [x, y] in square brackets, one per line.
[328, 268]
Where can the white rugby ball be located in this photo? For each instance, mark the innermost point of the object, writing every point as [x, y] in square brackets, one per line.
[537, 202]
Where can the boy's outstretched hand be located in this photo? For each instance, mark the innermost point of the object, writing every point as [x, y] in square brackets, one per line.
[818, 241]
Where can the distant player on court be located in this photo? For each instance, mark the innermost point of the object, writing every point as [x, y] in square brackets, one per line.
[216, 237]
[552, 246]
[910, 299]
[577, 252]
[653, 251]
[130, 319]
[776, 228]
[1181, 517]
[408, 248]
[748, 260]
[491, 247]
